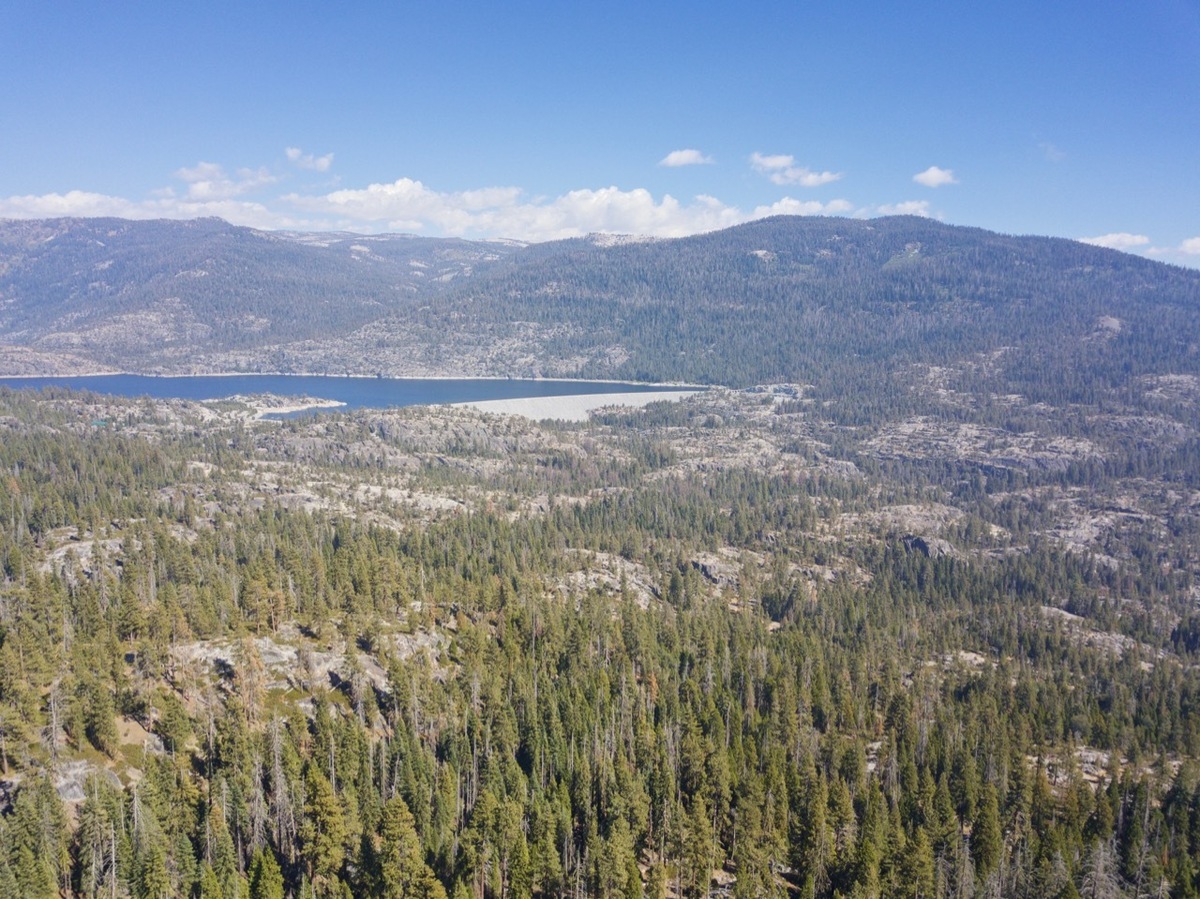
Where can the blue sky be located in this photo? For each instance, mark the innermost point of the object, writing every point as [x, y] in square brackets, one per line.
[541, 120]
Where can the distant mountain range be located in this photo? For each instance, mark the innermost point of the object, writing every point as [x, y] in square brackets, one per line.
[165, 296]
[844, 305]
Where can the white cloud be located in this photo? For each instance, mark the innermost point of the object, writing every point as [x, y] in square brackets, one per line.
[163, 204]
[790, 206]
[1186, 252]
[501, 211]
[1121, 240]
[207, 181]
[935, 177]
[202, 171]
[406, 204]
[308, 161]
[908, 207]
[677, 158]
[409, 205]
[73, 203]
[782, 169]
[764, 163]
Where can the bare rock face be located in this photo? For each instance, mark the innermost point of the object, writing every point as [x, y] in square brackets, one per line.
[930, 547]
[71, 779]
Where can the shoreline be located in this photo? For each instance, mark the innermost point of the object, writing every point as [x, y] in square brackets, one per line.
[683, 385]
[273, 397]
[576, 407]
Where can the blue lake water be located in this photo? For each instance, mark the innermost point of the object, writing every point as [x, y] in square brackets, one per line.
[356, 393]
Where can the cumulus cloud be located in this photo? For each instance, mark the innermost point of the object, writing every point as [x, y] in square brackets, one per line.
[208, 181]
[410, 205]
[201, 171]
[791, 206]
[1121, 240]
[407, 204]
[163, 204]
[1186, 252]
[677, 158]
[935, 177]
[308, 160]
[243, 197]
[73, 203]
[782, 169]
[908, 207]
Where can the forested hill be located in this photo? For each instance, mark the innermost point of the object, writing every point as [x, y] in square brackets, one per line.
[152, 295]
[840, 304]
[826, 301]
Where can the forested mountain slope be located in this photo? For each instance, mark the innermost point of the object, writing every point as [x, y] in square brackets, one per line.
[826, 301]
[844, 305]
[160, 294]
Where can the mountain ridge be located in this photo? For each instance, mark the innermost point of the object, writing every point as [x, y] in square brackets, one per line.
[778, 299]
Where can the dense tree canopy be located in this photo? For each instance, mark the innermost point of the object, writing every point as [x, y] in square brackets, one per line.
[428, 653]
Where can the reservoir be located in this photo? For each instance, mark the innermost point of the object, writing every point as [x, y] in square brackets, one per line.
[355, 393]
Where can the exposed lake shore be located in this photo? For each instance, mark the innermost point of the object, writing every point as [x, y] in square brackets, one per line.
[571, 407]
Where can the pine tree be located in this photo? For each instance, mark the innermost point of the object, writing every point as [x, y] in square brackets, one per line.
[153, 879]
[812, 840]
[8, 880]
[323, 832]
[696, 859]
[917, 871]
[750, 861]
[266, 880]
[34, 875]
[209, 885]
[98, 714]
[656, 881]
[221, 851]
[402, 872]
[987, 842]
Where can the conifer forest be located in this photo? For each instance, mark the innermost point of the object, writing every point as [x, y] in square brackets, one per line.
[910, 607]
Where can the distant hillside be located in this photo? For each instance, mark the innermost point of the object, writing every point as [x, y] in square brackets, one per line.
[155, 295]
[852, 307]
[823, 300]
